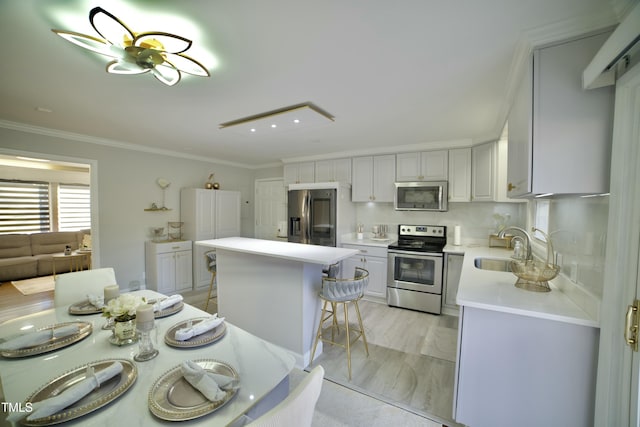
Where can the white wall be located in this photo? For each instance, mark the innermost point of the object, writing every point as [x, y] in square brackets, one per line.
[127, 185]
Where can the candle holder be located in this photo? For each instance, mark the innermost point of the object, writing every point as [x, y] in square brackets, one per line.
[147, 333]
[146, 349]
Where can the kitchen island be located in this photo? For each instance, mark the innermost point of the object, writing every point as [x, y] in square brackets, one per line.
[524, 358]
[270, 289]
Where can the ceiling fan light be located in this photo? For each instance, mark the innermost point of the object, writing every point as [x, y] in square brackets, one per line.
[93, 44]
[120, 67]
[168, 42]
[110, 27]
[187, 64]
[166, 74]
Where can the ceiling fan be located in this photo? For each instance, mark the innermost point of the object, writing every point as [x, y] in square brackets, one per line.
[160, 53]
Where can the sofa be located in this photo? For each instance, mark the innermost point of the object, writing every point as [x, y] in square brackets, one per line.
[23, 256]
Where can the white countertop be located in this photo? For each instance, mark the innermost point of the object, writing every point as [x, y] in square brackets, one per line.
[313, 254]
[368, 241]
[495, 290]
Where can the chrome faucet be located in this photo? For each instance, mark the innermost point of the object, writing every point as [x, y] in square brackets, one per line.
[501, 234]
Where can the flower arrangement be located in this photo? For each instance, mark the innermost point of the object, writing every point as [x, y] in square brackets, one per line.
[123, 308]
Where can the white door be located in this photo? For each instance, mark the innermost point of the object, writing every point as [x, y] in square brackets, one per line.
[618, 365]
[271, 207]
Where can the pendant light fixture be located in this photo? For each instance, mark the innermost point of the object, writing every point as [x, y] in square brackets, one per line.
[158, 53]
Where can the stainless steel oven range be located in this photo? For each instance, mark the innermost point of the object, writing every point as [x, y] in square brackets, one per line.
[414, 278]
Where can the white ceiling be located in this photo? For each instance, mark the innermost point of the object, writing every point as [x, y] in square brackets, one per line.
[394, 74]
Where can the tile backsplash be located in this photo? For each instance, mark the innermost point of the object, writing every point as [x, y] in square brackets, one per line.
[578, 229]
[476, 219]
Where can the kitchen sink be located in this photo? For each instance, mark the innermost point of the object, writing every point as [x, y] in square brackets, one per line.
[494, 264]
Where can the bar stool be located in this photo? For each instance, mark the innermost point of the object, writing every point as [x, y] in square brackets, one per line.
[342, 292]
[210, 262]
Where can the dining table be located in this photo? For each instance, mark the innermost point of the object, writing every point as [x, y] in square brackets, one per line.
[263, 368]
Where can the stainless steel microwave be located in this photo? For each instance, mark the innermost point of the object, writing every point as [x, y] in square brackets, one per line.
[421, 196]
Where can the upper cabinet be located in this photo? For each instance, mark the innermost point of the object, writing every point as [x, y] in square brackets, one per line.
[560, 134]
[483, 167]
[296, 173]
[424, 166]
[460, 175]
[335, 170]
[373, 178]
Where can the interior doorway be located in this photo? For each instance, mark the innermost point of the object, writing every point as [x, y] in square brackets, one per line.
[29, 166]
[271, 209]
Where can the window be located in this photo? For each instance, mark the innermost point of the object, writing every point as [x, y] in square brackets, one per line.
[74, 207]
[35, 207]
[24, 207]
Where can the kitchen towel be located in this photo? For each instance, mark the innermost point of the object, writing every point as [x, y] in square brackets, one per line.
[212, 386]
[457, 235]
[68, 397]
[38, 337]
[167, 302]
[184, 334]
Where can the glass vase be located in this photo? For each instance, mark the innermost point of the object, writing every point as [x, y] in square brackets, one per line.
[124, 332]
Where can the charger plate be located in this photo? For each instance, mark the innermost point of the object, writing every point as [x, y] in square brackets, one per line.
[84, 330]
[203, 339]
[172, 398]
[169, 311]
[107, 392]
[84, 307]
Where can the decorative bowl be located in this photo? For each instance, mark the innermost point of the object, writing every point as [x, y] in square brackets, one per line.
[534, 275]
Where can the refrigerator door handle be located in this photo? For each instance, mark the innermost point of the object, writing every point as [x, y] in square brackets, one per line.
[306, 213]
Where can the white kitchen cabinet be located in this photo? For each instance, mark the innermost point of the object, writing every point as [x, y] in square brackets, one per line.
[460, 175]
[560, 134]
[453, 269]
[374, 260]
[208, 214]
[168, 266]
[516, 370]
[297, 173]
[483, 170]
[373, 178]
[335, 170]
[423, 166]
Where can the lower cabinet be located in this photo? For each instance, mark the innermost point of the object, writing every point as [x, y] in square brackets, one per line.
[374, 260]
[169, 266]
[516, 370]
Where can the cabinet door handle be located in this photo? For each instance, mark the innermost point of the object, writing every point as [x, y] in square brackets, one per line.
[363, 251]
[511, 187]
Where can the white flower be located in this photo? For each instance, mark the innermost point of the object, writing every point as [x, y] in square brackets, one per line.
[124, 306]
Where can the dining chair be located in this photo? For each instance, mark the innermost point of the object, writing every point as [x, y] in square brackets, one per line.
[210, 262]
[336, 292]
[73, 287]
[296, 410]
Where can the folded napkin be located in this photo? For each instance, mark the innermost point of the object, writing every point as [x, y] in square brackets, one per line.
[212, 386]
[96, 300]
[50, 406]
[167, 302]
[38, 337]
[206, 325]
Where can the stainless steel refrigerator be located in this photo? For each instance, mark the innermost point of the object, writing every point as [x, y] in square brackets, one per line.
[312, 216]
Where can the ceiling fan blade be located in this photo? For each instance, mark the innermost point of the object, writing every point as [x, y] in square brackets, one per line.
[162, 41]
[110, 27]
[91, 43]
[120, 67]
[187, 65]
[167, 74]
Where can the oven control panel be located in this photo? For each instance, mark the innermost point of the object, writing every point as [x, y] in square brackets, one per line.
[422, 230]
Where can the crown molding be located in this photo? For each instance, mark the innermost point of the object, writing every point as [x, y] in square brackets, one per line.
[70, 136]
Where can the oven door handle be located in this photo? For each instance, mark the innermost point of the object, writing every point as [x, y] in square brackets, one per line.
[413, 254]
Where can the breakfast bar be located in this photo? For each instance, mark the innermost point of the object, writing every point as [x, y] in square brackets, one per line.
[270, 288]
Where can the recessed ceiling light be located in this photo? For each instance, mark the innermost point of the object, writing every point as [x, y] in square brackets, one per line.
[296, 117]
